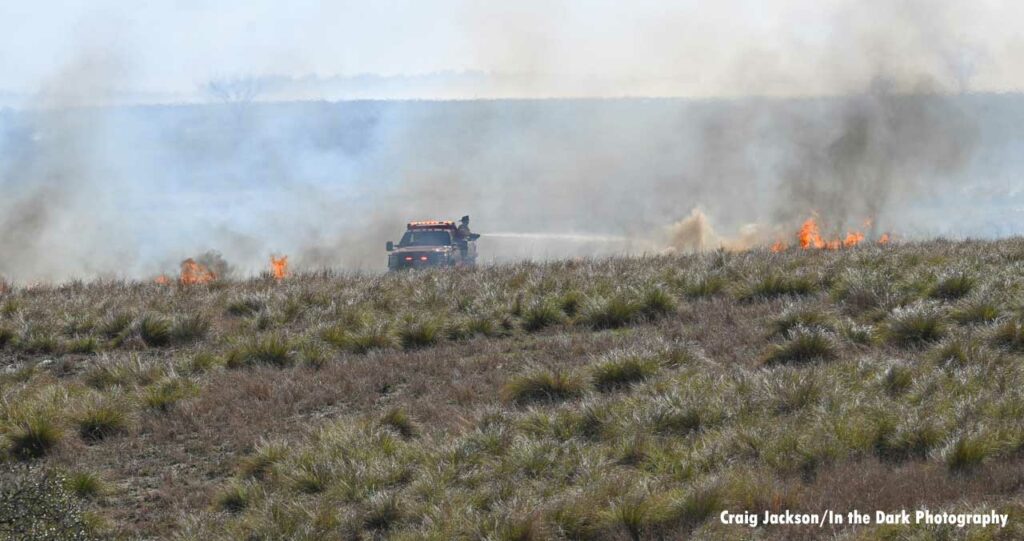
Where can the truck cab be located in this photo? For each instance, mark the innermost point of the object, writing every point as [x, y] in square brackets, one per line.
[432, 243]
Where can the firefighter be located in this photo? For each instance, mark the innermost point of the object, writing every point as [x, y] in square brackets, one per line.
[462, 236]
[463, 231]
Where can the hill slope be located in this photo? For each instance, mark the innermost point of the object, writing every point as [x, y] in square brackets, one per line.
[608, 399]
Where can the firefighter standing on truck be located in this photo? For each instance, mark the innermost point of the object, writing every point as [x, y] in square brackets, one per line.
[462, 234]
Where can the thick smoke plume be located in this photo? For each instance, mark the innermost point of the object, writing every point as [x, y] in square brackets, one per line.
[132, 191]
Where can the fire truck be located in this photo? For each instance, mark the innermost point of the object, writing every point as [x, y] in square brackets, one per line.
[433, 243]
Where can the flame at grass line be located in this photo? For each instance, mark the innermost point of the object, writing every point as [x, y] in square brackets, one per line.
[694, 234]
[691, 234]
[853, 239]
[193, 273]
[279, 267]
[809, 237]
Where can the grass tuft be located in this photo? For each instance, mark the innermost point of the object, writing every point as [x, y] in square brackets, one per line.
[542, 386]
[373, 337]
[419, 334]
[236, 497]
[102, 421]
[155, 330]
[897, 379]
[967, 452]
[41, 342]
[622, 370]
[656, 303]
[611, 313]
[190, 328]
[398, 420]
[246, 306]
[860, 335]
[1009, 335]
[85, 345]
[978, 311]
[953, 287]
[860, 291]
[115, 324]
[778, 285]
[203, 362]
[264, 458]
[803, 346]
[312, 355]
[808, 318]
[639, 515]
[126, 373]
[960, 352]
[571, 302]
[85, 485]
[914, 440]
[915, 326]
[541, 316]
[34, 436]
[337, 336]
[273, 350]
[667, 418]
[163, 395]
[383, 511]
[706, 286]
[795, 390]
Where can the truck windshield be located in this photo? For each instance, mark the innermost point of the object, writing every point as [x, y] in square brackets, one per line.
[426, 238]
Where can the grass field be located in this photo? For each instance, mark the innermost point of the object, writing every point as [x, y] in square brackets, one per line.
[626, 398]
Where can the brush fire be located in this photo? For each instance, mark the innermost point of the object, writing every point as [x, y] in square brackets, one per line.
[694, 234]
[809, 237]
[691, 234]
[193, 273]
[279, 267]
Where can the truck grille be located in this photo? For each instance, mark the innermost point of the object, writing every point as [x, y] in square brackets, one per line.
[425, 259]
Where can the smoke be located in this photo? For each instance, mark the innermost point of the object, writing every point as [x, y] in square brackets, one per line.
[893, 136]
[882, 151]
[59, 185]
[695, 234]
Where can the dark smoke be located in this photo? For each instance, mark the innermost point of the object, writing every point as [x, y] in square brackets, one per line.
[872, 154]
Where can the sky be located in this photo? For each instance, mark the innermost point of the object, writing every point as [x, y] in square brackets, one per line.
[605, 47]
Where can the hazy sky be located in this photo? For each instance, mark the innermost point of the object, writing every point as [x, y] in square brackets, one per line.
[704, 48]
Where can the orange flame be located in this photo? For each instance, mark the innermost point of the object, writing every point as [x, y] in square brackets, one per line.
[852, 239]
[162, 280]
[195, 273]
[779, 246]
[279, 267]
[809, 235]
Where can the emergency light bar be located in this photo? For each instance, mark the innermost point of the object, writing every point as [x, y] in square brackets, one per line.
[431, 224]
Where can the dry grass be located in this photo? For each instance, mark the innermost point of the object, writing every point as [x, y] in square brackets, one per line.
[605, 399]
